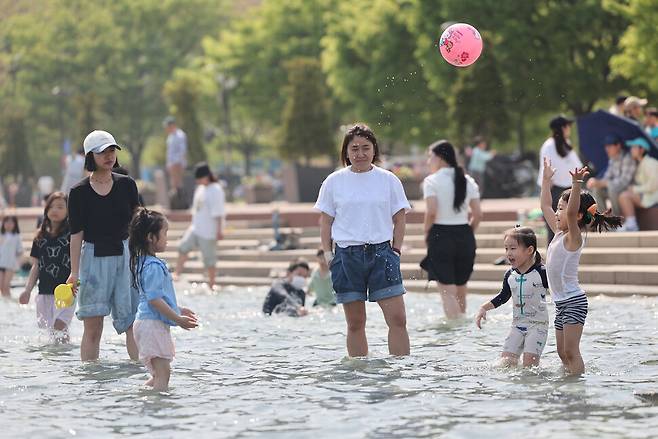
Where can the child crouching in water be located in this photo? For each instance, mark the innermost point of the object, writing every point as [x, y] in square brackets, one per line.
[157, 309]
[51, 266]
[574, 215]
[527, 285]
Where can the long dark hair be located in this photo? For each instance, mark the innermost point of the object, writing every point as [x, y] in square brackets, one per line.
[10, 218]
[46, 225]
[145, 223]
[591, 217]
[562, 146]
[361, 130]
[526, 237]
[446, 151]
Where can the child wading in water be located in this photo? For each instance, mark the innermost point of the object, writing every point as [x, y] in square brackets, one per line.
[527, 285]
[574, 215]
[320, 283]
[51, 265]
[11, 251]
[157, 309]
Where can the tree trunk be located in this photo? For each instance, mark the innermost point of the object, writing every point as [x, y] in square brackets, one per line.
[520, 130]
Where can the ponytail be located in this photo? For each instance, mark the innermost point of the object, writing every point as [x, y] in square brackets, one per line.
[591, 217]
[446, 151]
[537, 257]
[561, 145]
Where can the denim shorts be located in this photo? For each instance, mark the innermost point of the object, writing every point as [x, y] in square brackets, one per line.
[105, 287]
[366, 272]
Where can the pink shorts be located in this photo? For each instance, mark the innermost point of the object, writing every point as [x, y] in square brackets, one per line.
[47, 312]
[153, 339]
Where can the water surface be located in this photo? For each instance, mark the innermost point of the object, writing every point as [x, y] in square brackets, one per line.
[245, 375]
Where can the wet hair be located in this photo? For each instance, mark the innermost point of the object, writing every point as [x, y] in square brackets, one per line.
[90, 163]
[360, 130]
[591, 217]
[561, 145]
[145, 223]
[294, 265]
[445, 150]
[526, 237]
[46, 227]
[10, 218]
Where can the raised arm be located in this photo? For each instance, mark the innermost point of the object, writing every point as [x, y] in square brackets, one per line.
[574, 239]
[546, 199]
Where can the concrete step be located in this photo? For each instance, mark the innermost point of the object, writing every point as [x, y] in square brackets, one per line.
[606, 274]
[590, 256]
[484, 288]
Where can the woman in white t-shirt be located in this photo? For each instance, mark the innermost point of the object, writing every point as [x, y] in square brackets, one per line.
[363, 211]
[559, 151]
[452, 214]
[207, 223]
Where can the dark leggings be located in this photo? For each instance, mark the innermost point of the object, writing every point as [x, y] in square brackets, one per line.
[556, 191]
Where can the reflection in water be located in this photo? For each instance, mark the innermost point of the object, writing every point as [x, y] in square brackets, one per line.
[241, 374]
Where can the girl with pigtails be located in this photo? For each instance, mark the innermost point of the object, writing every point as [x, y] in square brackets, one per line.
[526, 284]
[574, 215]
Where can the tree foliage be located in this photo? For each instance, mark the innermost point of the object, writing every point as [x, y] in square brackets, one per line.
[305, 123]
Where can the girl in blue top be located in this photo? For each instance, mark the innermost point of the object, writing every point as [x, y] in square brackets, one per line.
[157, 310]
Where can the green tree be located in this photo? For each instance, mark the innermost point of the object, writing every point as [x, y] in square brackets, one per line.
[369, 58]
[305, 122]
[638, 62]
[15, 158]
[256, 47]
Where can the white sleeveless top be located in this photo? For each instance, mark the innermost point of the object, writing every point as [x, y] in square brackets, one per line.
[562, 269]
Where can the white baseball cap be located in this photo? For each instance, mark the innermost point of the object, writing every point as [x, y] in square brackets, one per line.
[98, 141]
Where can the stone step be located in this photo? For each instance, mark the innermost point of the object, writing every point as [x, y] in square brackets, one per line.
[485, 288]
[590, 256]
[607, 274]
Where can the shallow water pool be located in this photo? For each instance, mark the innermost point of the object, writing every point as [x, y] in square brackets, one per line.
[244, 375]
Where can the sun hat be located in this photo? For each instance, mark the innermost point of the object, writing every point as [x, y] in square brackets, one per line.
[639, 141]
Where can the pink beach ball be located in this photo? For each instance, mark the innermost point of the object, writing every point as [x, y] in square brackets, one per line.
[460, 44]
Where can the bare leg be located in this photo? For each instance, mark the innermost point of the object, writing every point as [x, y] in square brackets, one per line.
[449, 299]
[355, 315]
[396, 319]
[63, 331]
[462, 290]
[91, 338]
[212, 271]
[559, 341]
[5, 286]
[161, 374]
[530, 359]
[182, 257]
[626, 204]
[508, 359]
[2, 283]
[131, 346]
[572, 334]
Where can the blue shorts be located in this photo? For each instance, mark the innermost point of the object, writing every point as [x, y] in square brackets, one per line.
[366, 272]
[105, 287]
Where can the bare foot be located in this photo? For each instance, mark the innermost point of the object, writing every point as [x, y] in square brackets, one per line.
[149, 382]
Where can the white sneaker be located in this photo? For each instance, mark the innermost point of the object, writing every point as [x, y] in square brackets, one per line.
[629, 228]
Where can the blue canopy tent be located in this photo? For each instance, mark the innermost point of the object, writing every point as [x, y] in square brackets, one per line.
[594, 127]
